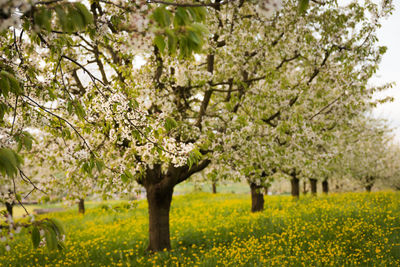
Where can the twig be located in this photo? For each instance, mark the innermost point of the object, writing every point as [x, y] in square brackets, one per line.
[60, 118]
[15, 114]
[326, 107]
[26, 178]
[15, 193]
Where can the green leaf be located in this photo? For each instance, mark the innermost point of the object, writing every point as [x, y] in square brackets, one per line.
[4, 86]
[162, 16]
[194, 157]
[201, 14]
[86, 15]
[194, 38]
[170, 123]
[303, 6]
[3, 110]
[77, 19]
[62, 17]
[42, 18]
[27, 140]
[51, 238]
[35, 237]
[99, 165]
[80, 111]
[14, 85]
[181, 17]
[57, 226]
[160, 43]
[126, 176]
[172, 41]
[9, 162]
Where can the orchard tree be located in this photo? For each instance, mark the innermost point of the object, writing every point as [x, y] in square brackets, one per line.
[393, 166]
[367, 159]
[26, 95]
[315, 86]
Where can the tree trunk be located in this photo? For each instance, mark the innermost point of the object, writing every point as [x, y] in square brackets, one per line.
[266, 190]
[305, 187]
[81, 206]
[325, 186]
[370, 183]
[295, 182]
[9, 207]
[214, 187]
[159, 190]
[159, 200]
[313, 183]
[257, 198]
[368, 188]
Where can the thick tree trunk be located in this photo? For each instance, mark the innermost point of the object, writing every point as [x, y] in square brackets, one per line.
[257, 198]
[159, 200]
[214, 187]
[81, 206]
[9, 207]
[325, 186]
[159, 189]
[368, 188]
[295, 182]
[313, 183]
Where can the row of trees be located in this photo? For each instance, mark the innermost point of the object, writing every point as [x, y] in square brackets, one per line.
[248, 88]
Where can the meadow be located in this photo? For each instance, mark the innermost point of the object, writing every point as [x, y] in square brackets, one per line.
[219, 230]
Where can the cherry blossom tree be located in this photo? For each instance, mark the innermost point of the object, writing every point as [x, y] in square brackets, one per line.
[367, 159]
[288, 121]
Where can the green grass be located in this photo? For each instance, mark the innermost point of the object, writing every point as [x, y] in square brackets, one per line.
[188, 187]
[218, 230]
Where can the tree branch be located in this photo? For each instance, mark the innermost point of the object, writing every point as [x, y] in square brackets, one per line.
[216, 4]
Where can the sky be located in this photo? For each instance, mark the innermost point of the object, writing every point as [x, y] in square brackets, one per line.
[389, 71]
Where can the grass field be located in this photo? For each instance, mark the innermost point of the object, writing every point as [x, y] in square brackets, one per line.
[218, 230]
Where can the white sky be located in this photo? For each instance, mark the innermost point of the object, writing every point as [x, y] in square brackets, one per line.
[389, 71]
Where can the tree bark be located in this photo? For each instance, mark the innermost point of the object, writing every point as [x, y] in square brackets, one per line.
[9, 207]
[313, 183]
[81, 206]
[295, 182]
[257, 198]
[325, 186]
[159, 200]
[159, 189]
[305, 187]
[368, 188]
[370, 183]
[214, 187]
[266, 190]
